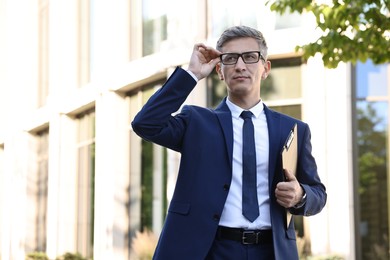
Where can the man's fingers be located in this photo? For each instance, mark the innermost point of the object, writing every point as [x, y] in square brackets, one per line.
[203, 60]
[289, 176]
[197, 46]
[208, 52]
[284, 198]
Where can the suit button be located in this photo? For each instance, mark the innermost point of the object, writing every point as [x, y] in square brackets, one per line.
[226, 187]
[216, 217]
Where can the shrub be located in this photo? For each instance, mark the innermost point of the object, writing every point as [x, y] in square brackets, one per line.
[71, 256]
[37, 256]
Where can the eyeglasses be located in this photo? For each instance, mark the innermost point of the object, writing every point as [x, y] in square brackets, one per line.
[248, 57]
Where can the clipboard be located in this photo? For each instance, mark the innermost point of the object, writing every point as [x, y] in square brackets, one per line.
[289, 159]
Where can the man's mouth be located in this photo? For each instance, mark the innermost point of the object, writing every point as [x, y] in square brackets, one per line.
[240, 77]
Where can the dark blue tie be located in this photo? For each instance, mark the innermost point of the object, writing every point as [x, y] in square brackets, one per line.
[250, 205]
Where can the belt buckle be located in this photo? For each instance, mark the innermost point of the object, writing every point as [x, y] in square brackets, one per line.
[245, 235]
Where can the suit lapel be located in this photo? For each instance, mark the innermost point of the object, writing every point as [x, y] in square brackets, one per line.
[225, 119]
[273, 122]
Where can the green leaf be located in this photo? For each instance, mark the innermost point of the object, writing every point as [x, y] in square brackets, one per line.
[358, 30]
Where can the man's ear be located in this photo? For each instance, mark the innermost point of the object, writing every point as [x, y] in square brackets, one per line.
[219, 71]
[267, 69]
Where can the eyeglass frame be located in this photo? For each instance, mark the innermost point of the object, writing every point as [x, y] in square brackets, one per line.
[240, 55]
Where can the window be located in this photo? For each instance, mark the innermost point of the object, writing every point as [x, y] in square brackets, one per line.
[282, 91]
[226, 13]
[153, 177]
[216, 90]
[148, 173]
[153, 182]
[41, 189]
[43, 52]
[287, 20]
[284, 82]
[372, 117]
[154, 25]
[291, 110]
[86, 183]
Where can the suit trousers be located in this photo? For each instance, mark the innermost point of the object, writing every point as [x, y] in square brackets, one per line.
[224, 249]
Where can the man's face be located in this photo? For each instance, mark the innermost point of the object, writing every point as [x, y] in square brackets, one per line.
[243, 80]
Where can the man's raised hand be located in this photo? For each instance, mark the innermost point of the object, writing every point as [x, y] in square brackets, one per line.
[203, 60]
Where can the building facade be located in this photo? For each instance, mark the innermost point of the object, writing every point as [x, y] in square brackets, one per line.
[73, 74]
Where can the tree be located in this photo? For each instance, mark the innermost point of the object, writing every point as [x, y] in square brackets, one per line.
[353, 30]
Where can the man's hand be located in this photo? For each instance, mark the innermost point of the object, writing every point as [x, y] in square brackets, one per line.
[203, 60]
[289, 193]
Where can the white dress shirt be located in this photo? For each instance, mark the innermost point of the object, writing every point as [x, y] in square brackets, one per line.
[232, 212]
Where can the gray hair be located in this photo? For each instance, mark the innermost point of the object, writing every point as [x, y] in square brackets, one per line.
[242, 31]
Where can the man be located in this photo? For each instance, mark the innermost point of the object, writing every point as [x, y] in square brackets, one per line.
[206, 218]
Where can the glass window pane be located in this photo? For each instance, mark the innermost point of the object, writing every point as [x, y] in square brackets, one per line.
[153, 172]
[42, 188]
[222, 16]
[226, 13]
[287, 20]
[371, 80]
[284, 81]
[373, 179]
[86, 184]
[216, 90]
[154, 13]
[147, 186]
[291, 110]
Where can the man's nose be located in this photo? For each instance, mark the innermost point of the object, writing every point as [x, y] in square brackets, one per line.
[240, 63]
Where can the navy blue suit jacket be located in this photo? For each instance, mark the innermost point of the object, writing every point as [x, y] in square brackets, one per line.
[204, 137]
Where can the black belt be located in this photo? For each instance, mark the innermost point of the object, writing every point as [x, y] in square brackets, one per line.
[246, 237]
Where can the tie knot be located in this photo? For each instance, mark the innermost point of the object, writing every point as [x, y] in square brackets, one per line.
[246, 114]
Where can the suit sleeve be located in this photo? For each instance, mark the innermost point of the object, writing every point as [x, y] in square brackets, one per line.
[155, 123]
[308, 177]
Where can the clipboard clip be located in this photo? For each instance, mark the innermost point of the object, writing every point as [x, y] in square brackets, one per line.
[289, 139]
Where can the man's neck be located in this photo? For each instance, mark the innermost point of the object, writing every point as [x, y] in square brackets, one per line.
[244, 103]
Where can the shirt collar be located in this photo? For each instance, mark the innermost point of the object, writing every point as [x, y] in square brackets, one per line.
[236, 110]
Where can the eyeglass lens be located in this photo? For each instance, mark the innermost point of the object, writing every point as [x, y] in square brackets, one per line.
[247, 57]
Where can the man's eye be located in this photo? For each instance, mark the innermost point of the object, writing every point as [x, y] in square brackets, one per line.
[230, 58]
[250, 56]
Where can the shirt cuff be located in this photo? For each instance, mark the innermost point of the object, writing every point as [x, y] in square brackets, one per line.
[302, 202]
[192, 75]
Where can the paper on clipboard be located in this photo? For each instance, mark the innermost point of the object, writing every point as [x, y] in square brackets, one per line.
[290, 158]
